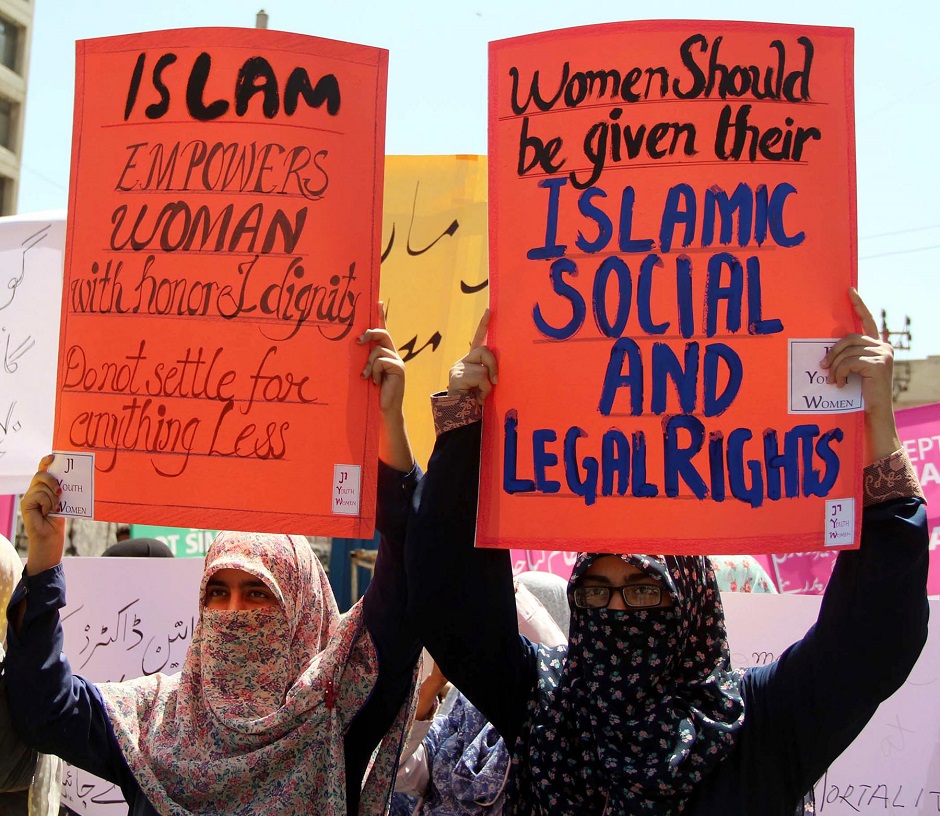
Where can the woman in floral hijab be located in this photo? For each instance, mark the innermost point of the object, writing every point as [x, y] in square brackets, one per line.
[258, 713]
[281, 701]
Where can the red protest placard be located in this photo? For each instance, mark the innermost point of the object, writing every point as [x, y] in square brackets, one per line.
[222, 258]
[672, 238]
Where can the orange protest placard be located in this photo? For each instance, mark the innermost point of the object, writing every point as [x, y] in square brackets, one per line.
[223, 252]
[672, 239]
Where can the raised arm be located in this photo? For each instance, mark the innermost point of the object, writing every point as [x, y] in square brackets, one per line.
[461, 598]
[385, 600]
[51, 709]
[873, 621]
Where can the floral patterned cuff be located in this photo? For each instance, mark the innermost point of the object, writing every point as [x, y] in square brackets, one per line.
[454, 411]
[892, 477]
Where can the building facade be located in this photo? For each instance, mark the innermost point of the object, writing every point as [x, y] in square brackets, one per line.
[16, 28]
[916, 382]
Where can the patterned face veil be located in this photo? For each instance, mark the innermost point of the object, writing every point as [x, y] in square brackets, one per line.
[643, 705]
[249, 660]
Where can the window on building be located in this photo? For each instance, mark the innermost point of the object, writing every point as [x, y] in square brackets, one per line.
[7, 129]
[9, 44]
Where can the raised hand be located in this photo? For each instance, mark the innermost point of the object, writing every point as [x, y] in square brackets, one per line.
[384, 366]
[46, 533]
[477, 371]
[386, 369]
[872, 359]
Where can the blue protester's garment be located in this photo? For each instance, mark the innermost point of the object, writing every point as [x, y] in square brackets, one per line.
[469, 764]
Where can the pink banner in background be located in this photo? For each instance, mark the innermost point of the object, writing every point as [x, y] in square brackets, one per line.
[793, 569]
[554, 561]
[7, 503]
[919, 429]
[808, 573]
[802, 573]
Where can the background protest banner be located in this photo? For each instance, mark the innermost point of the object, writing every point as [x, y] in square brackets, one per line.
[434, 272]
[558, 562]
[919, 429]
[223, 255]
[7, 509]
[802, 573]
[672, 239]
[184, 542]
[143, 623]
[31, 248]
[894, 764]
[125, 618]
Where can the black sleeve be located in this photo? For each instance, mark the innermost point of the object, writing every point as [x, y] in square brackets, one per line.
[461, 598]
[812, 703]
[396, 641]
[17, 760]
[53, 710]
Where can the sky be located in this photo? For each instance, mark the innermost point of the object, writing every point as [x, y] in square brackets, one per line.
[437, 99]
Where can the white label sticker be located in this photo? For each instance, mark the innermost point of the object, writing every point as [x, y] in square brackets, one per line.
[345, 498]
[811, 391]
[840, 522]
[76, 475]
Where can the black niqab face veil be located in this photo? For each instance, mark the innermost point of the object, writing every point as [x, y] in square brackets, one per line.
[641, 707]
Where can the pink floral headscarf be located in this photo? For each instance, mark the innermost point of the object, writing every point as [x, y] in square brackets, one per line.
[254, 722]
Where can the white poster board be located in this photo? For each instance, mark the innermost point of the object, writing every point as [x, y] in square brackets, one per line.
[31, 264]
[125, 617]
[128, 616]
[895, 762]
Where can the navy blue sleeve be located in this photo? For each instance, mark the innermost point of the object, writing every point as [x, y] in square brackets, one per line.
[53, 710]
[803, 710]
[461, 598]
[396, 641]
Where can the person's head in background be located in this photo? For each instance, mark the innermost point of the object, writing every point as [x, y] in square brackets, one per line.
[741, 573]
[138, 548]
[551, 591]
[11, 568]
[539, 622]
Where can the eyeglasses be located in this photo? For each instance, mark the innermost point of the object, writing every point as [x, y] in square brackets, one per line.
[634, 595]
